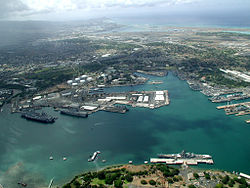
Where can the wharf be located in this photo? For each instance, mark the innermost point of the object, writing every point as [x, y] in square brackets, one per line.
[233, 105]
[242, 113]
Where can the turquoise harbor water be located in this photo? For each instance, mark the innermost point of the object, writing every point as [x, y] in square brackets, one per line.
[190, 122]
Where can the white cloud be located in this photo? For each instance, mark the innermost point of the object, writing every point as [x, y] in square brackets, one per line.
[41, 9]
[43, 5]
[61, 5]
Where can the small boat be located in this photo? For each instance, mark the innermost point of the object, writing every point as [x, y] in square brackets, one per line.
[145, 162]
[64, 158]
[104, 161]
[130, 162]
[22, 184]
[51, 158]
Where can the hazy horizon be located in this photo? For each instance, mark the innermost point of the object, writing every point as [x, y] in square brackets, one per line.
[69, 10]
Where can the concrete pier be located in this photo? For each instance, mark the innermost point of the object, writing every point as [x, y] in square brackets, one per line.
[233, 105]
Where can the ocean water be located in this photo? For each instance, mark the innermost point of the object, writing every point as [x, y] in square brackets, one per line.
[190, 122]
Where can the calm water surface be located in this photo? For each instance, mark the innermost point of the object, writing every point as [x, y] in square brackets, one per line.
[190, 122]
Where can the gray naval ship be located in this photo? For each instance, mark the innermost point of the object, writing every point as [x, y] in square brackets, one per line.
[39, 117]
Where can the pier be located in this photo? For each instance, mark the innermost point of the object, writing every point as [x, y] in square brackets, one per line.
[239, 109]
[232, 105]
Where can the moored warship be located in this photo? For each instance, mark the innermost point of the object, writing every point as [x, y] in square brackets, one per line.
[40, 117]
[74, 113]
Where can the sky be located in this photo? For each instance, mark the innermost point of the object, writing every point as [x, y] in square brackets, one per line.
[55, 10]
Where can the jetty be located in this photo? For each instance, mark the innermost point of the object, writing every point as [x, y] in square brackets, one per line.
[232, 105]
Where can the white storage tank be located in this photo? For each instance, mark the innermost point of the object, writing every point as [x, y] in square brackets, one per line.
[69, 81]
[82, 81]
[89, 79]
[84, 76]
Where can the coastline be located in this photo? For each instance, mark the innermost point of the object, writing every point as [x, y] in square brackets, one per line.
[157, 175]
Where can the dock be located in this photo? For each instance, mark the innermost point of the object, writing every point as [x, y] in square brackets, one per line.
[232, 105]
[242, 113]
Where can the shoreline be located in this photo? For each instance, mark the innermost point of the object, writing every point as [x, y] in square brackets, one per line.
[144, 174]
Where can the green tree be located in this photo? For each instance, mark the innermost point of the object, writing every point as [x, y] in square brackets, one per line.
[175, 178]
[225, 179]
[109, 179]
[101, 175]
[219, 186]
[67, 186]
[207, 176]
[241, 181]
[170, 180]
[144, 182]
[242, 186]
[180, 178]
[152, 182]
[174, 172]
[231, 183]
[129, 178]
[118, 183]
[196, 175]
[191, 186]
[101, 186]
[76, 184]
